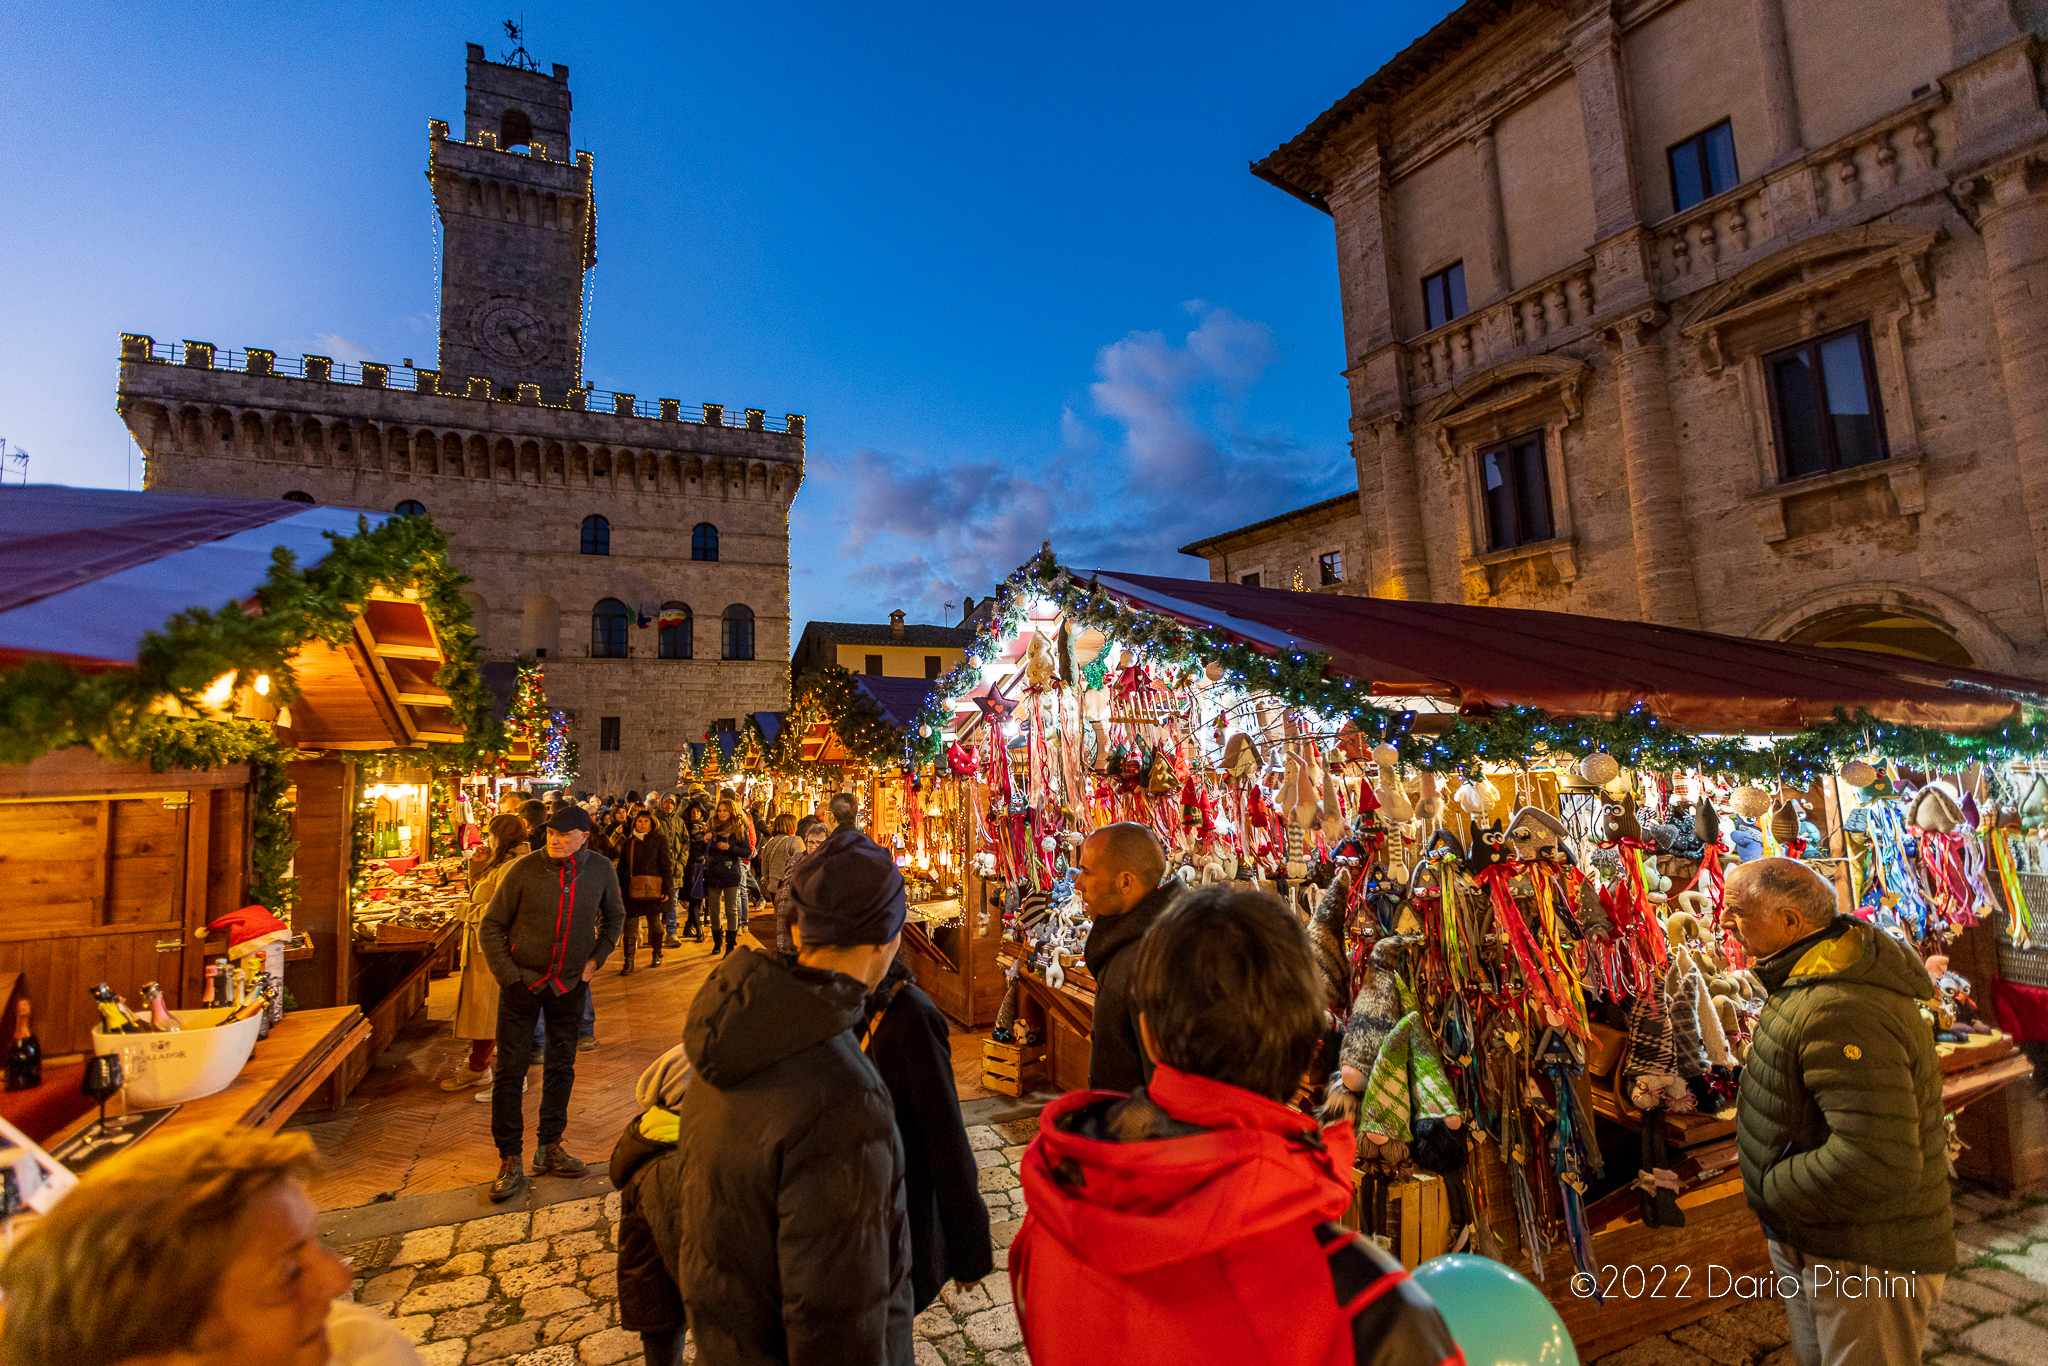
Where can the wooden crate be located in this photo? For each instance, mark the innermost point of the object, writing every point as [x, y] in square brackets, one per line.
[1418, 1217]
[1012, 1069]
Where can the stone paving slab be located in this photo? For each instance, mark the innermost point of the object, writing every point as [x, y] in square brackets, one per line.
[540, 1287]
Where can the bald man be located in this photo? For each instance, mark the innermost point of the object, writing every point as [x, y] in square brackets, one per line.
[1118, 880]
[1839, 1122]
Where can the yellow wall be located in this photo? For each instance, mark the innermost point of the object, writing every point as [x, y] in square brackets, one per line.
[898, 661]
[1546, 188]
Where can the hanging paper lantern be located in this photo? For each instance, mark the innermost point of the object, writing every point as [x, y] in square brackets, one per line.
[1599, 768]
[1857, 773]
[1749, 802]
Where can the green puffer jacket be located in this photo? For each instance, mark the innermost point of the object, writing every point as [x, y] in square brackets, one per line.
[1839, 1123]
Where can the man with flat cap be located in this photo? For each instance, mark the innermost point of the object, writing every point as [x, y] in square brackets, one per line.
[555, 918]
[794, 1245]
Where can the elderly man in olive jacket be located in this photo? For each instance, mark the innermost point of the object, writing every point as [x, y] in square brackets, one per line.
[1839, 1121]
[553, 921]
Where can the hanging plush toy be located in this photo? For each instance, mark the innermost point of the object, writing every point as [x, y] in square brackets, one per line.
[1326, 936]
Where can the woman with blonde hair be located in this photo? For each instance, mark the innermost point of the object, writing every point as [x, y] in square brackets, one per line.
[201, 1249]
[476, 999]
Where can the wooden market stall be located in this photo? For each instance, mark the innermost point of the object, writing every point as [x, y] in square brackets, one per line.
[177, 759]
[1282, 737]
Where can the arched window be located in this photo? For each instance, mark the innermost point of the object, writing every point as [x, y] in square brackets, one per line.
[737, 632]
[675, 630]
[411, 507]
[608, 622]
[298, 496]
[515, 129]
[704, 542]
[597, 535]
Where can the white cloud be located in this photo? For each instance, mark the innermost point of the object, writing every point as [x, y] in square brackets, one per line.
[1161, 461]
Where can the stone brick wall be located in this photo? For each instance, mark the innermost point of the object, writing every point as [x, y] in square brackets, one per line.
[1291, 545]
[1916, 208]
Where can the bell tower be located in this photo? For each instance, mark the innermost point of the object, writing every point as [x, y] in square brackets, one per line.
[517, 231]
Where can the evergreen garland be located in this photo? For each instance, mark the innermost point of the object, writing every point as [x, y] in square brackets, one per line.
[46, 704]
[833, 694]
[1503, 737]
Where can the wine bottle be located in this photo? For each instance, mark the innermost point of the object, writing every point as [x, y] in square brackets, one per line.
[25, 1059]
[115, 1017]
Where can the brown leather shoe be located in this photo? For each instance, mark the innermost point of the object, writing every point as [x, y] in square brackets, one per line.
[554, 1160]
[510, 1179]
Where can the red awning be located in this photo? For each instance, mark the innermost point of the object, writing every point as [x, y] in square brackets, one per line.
[1569, 665]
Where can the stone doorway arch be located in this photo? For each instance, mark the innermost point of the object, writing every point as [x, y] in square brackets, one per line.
[1911, 621]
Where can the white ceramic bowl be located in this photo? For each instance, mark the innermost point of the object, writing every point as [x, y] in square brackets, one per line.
[169, 1069]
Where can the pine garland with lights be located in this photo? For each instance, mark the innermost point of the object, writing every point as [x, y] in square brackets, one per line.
[1505, 737]
[833, 695]
[46, 704]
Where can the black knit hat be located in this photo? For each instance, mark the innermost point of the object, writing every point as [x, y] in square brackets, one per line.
[849, 892]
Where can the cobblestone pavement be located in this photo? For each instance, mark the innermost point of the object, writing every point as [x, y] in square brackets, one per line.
[542, 1288]
[1994, 1309]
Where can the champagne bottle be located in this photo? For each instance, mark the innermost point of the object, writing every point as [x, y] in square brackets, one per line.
[115, 1017]
[25, 1059]
[159, 1015]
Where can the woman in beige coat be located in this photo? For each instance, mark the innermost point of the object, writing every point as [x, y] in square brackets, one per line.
[476, 1000]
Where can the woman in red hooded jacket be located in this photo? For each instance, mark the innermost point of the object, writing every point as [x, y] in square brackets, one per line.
[1195, 1219]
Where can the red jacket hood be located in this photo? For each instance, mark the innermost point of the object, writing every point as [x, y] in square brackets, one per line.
[1130, 1208]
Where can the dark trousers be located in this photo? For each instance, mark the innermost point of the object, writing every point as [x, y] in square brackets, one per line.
[518, 1009]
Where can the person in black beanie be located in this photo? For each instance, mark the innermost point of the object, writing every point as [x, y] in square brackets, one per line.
[793, 1243]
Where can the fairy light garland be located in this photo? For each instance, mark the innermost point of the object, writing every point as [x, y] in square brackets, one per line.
[1507, 737]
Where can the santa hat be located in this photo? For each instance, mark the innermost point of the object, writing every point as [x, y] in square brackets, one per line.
[250, 930]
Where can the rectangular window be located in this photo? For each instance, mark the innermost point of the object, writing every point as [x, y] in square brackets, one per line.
[1443, 296]
[1824, 408]
[1249, 580]
[726, 723]
[933, 664]
[1702, 166]
[1517, 493]
[607, 732]
[874, 668]
[1332, 566]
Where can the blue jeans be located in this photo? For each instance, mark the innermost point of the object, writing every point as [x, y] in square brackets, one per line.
[669, 919]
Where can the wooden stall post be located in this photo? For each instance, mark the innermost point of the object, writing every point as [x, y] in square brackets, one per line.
[324, 825]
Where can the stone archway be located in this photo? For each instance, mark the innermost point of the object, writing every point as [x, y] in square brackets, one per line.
[1909, 620]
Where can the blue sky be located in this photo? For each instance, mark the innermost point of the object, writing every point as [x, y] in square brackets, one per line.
[1007, 260]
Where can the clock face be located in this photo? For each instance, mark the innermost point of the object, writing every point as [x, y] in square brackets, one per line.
[507, 331]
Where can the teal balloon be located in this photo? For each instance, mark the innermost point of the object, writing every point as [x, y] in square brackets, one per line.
[1496, 1317]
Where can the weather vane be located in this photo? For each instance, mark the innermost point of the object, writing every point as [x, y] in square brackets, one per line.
[518, 56]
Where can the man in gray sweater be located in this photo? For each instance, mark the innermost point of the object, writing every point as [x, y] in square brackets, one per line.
[555, 918]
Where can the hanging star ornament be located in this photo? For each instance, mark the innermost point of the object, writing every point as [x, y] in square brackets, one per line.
[995, 707]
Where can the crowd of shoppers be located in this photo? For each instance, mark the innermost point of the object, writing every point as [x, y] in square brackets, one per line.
[798, 1183]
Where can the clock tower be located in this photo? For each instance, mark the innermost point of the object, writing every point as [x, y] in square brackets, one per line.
[517, 231]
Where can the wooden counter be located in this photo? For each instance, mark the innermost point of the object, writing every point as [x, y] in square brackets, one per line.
[303, 1050]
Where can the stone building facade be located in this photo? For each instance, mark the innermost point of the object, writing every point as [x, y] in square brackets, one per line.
[1321, 548]
[642, 548]
[1717, 313]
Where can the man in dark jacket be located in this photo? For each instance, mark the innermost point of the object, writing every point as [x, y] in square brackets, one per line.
[789, 1195]
[1839, 1120]
[1195, 1220]
[553, 921]
[908, 1041]
[1118, 881]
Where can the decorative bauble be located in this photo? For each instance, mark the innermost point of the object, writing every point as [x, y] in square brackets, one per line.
[1213, 671]
[1599, 768]
[1858, 773]
[925, 731]
[1387, 755]
[1749, 802]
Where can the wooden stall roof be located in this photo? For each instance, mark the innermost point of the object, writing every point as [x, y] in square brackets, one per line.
[1574, 665]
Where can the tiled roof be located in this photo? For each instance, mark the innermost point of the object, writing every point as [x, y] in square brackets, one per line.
[1328, 504]
[861, 633]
